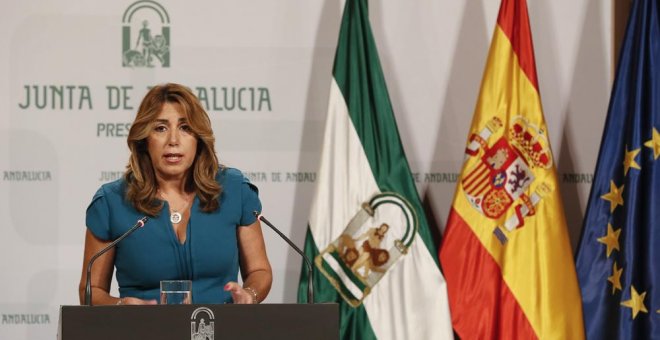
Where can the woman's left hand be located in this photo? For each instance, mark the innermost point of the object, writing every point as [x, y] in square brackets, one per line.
[239, 294]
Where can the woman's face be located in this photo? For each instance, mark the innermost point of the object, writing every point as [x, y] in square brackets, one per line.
[171, 144]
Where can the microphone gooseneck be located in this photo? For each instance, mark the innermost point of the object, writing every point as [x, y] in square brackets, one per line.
[88, 284]
[310, 276]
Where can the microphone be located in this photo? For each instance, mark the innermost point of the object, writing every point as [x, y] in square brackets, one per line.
[310, 277]
[88, 284]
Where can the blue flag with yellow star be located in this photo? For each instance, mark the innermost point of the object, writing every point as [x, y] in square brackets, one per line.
[618, 260]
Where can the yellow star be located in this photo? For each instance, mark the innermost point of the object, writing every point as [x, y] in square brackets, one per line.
[611, 240]
[629, 160]
[615, 278]
[614, 196]
[636, 302]
[654, 143]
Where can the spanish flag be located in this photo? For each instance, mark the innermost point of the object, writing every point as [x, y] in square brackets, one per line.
[505, 253]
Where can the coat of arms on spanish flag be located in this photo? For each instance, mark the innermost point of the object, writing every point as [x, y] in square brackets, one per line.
[506, 254]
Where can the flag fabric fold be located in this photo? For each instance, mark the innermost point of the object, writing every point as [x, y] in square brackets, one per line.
[505, 252]
[368, 236]
[619, 250]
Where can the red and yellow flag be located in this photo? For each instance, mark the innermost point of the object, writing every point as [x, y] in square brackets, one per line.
[506, 254]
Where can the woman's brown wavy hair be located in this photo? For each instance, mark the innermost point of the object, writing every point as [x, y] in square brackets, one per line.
[140, 176]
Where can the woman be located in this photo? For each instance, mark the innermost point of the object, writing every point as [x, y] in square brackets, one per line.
[201, 223]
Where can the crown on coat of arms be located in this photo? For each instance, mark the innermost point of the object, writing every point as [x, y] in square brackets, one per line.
[531, 142]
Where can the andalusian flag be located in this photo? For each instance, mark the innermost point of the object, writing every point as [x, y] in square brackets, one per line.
[368, 237]
[505, 252]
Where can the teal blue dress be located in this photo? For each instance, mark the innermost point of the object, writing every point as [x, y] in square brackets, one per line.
[209, 256]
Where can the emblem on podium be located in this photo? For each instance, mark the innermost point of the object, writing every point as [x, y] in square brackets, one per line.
[202, 324]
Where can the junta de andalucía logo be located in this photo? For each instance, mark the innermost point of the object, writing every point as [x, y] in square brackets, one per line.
[145, 35]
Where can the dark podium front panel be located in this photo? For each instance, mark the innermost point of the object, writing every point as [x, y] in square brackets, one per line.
[200, 322]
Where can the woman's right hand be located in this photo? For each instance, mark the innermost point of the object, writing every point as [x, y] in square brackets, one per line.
[135, 301]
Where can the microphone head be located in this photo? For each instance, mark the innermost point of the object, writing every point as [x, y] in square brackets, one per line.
[142, 221]
[256, 214]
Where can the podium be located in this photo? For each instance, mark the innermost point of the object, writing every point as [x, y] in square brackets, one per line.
[200, 322]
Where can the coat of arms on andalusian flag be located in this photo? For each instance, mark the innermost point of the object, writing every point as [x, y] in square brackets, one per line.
[504, 172]
[375, 238]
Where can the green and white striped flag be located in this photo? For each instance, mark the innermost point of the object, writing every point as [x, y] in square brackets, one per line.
[368, 236]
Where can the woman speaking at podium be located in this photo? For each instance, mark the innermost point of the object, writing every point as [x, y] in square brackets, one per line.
[201, 224]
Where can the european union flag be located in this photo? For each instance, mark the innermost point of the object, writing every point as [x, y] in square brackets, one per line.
[618, 260]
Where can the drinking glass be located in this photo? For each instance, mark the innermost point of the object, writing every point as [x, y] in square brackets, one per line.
[175, 292]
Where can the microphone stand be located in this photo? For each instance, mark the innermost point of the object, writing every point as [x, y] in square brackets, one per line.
[88, 284]
[310, 276]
